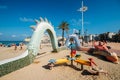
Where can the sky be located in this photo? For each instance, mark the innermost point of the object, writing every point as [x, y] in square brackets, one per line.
[16, 16]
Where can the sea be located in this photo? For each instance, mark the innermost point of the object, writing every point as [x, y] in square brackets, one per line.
[8, 43]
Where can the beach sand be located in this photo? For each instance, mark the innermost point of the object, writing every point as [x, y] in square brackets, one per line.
[38, 71]
[9, 52]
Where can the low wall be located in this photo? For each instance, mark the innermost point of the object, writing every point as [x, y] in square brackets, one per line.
[15, 65]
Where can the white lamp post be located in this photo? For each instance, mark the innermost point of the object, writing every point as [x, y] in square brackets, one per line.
[82, 9]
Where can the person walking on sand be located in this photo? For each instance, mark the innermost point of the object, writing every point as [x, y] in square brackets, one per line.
[21, 46]
[15, 47]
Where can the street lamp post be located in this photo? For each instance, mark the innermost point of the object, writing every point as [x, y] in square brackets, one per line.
[82, 19]
[82, 9]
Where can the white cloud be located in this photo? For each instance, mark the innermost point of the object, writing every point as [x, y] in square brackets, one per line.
[3, 7]
[13, 36]
[25, 35]
[78, 22]
[1, 33]
[24, 19]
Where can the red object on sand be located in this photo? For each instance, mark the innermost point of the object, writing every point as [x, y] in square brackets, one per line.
[73, 51]
[92, 62]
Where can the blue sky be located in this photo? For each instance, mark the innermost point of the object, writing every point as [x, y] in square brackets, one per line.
[16, 16]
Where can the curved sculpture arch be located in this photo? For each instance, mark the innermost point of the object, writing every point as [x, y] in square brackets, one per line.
[38, 34]
[26, 58]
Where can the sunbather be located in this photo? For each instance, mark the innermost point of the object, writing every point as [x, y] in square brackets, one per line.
[102, 49]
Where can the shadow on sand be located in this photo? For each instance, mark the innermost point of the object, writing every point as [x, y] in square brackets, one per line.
[86, 72]
[98, 56]
[65, 64]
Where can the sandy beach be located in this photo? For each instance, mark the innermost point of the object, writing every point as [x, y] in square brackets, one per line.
[38, 71]
[59, 39]
[9, 52]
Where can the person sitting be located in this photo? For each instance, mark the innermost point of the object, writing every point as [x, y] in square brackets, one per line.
[103, 50]
[100, 46]
[59, 44]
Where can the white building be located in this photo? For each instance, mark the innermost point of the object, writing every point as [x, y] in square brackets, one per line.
[110, 34]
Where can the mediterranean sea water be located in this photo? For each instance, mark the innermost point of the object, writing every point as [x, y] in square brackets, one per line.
[6, 43]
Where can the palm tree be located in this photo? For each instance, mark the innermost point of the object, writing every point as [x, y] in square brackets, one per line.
[64, 26]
